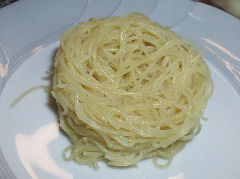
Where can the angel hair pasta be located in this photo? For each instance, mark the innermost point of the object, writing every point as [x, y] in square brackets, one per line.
[128, 89]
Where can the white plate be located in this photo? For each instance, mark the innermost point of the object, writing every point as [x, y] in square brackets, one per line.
[30, 141]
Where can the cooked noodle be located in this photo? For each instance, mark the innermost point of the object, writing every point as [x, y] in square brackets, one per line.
[128, 89]
[46, 88]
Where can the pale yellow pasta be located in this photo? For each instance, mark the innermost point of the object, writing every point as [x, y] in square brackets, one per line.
[128, 89]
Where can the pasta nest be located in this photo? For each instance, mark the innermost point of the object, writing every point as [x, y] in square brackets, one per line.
[127, 89]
